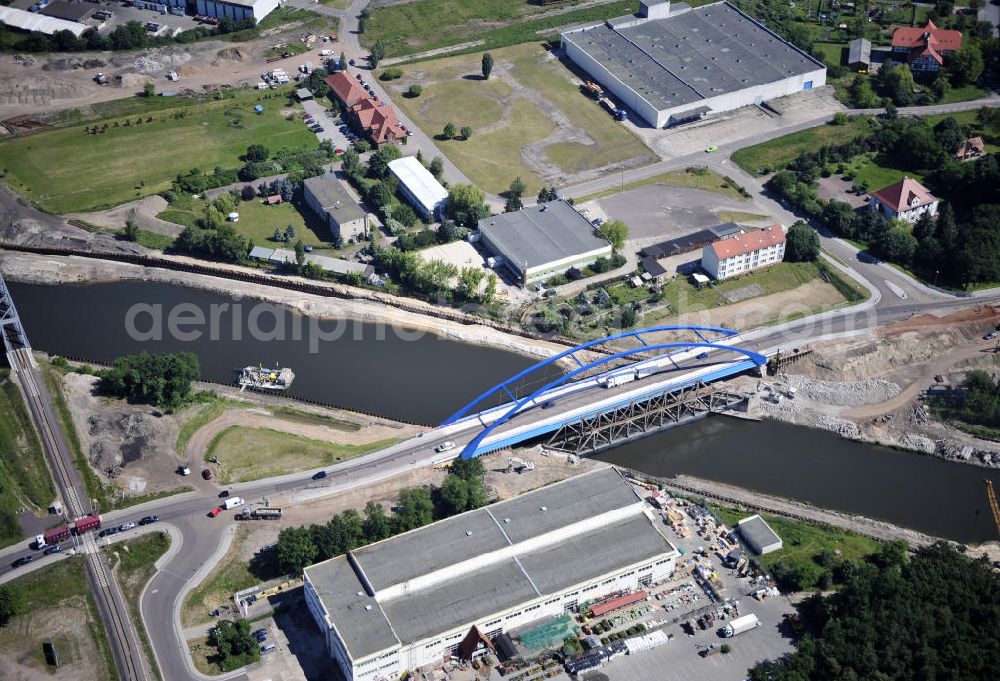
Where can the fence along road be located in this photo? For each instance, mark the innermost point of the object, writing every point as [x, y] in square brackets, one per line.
[108, 596]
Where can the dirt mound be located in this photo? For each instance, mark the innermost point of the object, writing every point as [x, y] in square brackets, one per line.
[229, 54]
[976, 316]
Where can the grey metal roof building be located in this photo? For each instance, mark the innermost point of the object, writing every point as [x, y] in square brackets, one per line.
[407, 602]
[538, 242]
[859, 54]
[329, 198]
[759, 535]
[688, 62]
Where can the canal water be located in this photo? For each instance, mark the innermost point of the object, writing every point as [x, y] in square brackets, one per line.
[925, 493]
[422, 378]
[378, 369]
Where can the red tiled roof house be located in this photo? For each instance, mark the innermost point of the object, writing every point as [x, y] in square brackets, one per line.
[924, 49]
[744, 252]
[378, 122]
[971, 148]
[906, 200]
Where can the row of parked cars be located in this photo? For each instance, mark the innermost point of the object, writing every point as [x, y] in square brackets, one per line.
[124, 527]
[48, 549]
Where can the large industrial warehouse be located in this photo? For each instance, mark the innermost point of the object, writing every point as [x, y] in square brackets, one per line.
[674, 65]
[413, 600]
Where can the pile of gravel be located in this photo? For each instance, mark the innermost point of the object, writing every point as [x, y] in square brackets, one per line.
[144, 64]
[850, 394]
[841, 427]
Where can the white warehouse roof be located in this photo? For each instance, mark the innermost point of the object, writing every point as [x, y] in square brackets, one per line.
[29, 21]
[422, 186]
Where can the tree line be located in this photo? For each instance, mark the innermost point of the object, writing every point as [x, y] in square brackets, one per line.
[932, 615]
[160, 380]
[463, 489]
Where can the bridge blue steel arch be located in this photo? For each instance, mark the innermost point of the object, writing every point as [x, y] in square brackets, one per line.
[470, 449]
[634, 333]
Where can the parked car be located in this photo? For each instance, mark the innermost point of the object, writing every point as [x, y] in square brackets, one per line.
[319, 476]
[351, 62]
[23, 560]
[308, 249]
[261, 637]
[990, 336]
[126, 526]
[318, 128]
[215, 511]
[268, 648]
[445, 446]
[149, 519]
[260, 631]
[108, 531]
[207, 474]
[307, 116]
[223, 494]
[53, 549]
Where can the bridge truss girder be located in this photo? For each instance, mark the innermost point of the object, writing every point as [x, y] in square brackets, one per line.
[14, 336]
[641, 418]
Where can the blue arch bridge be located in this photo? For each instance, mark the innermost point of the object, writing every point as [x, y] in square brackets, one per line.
[609, 390]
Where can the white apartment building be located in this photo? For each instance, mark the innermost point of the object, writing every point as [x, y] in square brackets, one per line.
[745, 252]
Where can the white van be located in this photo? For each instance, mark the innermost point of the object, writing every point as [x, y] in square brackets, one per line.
[445, 447]
[232, 502]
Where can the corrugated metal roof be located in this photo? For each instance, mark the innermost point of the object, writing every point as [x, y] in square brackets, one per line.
[28, 21]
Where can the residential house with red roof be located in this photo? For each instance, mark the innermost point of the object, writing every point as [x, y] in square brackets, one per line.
[744, 252]
[971, 148]
[365, 113]
[924, 48]
[906, 200]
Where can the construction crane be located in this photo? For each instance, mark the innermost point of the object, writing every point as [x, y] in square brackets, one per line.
[994, 506]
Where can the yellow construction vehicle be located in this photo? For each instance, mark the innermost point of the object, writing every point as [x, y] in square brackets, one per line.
[594, 90]
[994, 506]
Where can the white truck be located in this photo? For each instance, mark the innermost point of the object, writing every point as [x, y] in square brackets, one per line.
[232, 502]
[740, 625]
[445, 447]
[616, 379]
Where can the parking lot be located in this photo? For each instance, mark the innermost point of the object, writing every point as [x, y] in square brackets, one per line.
[660, 212]
[331, 129]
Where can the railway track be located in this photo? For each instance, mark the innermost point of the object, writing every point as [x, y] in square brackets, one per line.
[107, 595]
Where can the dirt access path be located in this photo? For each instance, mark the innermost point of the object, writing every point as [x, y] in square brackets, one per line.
[197, 446]
[919, 384]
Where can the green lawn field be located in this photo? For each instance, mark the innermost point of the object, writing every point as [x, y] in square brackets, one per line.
[412, 27]
[528, 98]
[258, 220]
[777, 153]
[68, 170]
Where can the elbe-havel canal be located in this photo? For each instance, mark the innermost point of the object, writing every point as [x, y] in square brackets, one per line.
[418, 377]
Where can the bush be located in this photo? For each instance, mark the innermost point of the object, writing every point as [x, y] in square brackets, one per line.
[414, 91]
[392, 74]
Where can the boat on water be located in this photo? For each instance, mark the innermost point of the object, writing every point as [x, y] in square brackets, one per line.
[261, 378]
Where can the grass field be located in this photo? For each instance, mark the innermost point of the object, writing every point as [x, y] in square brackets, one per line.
[252, 453]
[66, 169]
[257, 221]
[412, 27]
[777, 153]
[24, 477]
[231, 575]
[741, 217]
[134, 562]
[528, 98]
[62, 610]
[804, 541]
[698, 179]
[866, 168]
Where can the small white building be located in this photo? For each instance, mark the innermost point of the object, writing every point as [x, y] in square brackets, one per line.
[419, 186]
[236, 9]
[906, 200]
[759, 535]
[744, 252]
